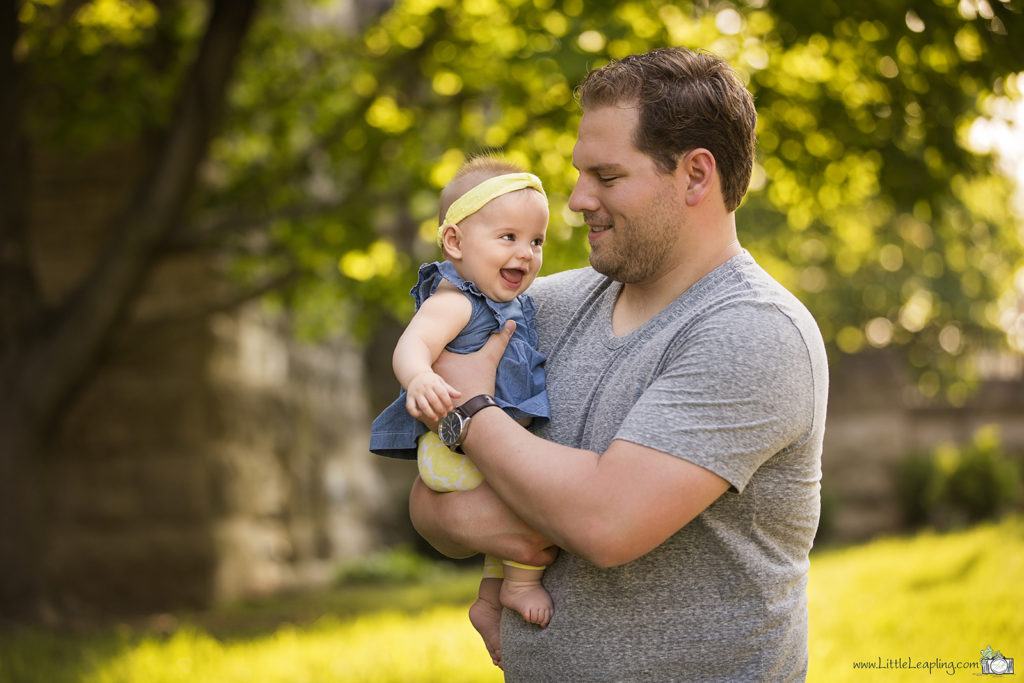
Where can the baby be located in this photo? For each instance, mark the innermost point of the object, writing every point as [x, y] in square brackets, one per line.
[493, 221]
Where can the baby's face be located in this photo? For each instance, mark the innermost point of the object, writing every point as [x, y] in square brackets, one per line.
[502, 244]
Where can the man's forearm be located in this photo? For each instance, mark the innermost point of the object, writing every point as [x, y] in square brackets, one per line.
[608, 508]
[462, 523]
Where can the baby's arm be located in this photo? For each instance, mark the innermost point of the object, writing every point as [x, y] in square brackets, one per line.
[439, 320]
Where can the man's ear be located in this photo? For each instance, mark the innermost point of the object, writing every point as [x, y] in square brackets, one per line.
[696, 171]
[451, 240]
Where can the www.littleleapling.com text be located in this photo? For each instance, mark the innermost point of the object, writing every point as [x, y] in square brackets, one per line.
[931, 666]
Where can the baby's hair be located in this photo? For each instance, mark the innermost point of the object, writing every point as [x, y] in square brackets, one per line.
[471, 174]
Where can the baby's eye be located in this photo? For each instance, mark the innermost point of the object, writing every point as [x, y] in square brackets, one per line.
[538, 242]
[508, 236]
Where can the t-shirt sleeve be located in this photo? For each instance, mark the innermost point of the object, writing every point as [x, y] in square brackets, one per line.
[735, 389]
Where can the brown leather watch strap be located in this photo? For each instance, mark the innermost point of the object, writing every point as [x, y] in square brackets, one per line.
[476, 404]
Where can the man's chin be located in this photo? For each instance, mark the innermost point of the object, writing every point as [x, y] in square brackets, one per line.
[602, 267]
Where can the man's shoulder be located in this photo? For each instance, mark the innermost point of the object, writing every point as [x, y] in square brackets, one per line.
[567, 284]
[747, 292]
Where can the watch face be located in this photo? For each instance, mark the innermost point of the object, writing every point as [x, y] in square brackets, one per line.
[450, 429]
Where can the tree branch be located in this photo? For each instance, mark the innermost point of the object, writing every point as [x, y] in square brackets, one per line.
[215, 227]
[61, 357]
[20, 300]
[230, 303]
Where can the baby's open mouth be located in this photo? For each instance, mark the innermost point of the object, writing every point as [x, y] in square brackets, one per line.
[512, 275]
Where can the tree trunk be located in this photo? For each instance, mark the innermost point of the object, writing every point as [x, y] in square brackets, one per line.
[46, 354]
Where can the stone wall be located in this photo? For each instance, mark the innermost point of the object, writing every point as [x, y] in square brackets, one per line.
[210, 456]
[876, 418]
[222, 461]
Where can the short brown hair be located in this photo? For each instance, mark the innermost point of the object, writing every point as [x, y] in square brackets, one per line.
[687, 100]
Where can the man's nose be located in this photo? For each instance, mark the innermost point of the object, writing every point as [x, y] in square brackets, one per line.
[582, 199]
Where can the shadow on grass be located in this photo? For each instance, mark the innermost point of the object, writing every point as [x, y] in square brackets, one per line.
[75, 651]
[353, 598]
[30, 655]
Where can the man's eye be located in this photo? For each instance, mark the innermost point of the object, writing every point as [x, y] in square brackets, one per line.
[607, 179]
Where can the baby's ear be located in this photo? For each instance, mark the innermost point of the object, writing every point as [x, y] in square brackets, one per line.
[451, 240]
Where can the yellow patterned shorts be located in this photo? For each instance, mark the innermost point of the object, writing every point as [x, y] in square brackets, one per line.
[444, 470]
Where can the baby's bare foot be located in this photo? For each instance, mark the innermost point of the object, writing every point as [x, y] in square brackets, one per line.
[529, 599]
[486, 619]
[485, 615]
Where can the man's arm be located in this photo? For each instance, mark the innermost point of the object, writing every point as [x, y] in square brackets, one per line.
[609, 508]
[461, 523]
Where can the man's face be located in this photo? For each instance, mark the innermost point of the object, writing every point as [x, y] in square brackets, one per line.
[633, 211]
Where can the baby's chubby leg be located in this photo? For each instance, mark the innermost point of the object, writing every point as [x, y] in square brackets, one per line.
[522, 591]
[485, 615]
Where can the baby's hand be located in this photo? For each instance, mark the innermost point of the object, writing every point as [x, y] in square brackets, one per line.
[429, 396]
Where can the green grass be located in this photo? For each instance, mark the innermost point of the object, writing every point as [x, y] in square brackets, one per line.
[915, 600]
[899, 602]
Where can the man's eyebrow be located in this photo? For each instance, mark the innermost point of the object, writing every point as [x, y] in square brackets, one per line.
[601, 168]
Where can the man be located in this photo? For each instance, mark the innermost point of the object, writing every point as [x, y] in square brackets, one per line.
[680, 471]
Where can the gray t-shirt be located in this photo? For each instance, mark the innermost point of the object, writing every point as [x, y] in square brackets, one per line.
[733, 377]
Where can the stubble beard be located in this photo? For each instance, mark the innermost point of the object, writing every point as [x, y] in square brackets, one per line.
[640, 249]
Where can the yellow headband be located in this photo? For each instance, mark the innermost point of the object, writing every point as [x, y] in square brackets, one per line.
[478, 197]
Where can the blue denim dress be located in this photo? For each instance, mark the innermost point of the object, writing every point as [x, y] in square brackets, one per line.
[519, 383]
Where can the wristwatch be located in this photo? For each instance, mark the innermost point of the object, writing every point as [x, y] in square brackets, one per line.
[454, 426]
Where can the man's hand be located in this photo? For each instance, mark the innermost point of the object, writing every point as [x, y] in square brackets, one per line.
[462, 523]
[473, 373]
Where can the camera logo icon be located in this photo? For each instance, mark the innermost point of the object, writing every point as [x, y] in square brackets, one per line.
[993, 662]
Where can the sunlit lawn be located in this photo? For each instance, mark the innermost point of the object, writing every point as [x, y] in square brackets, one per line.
[930, 598]
[899, 602]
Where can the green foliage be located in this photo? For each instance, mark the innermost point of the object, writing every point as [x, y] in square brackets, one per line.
[106, 70]
[866, 201]
[864, 136]
[928, 597]
[984, 482]
[952, 486]
[919, 487]
[396, 565]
